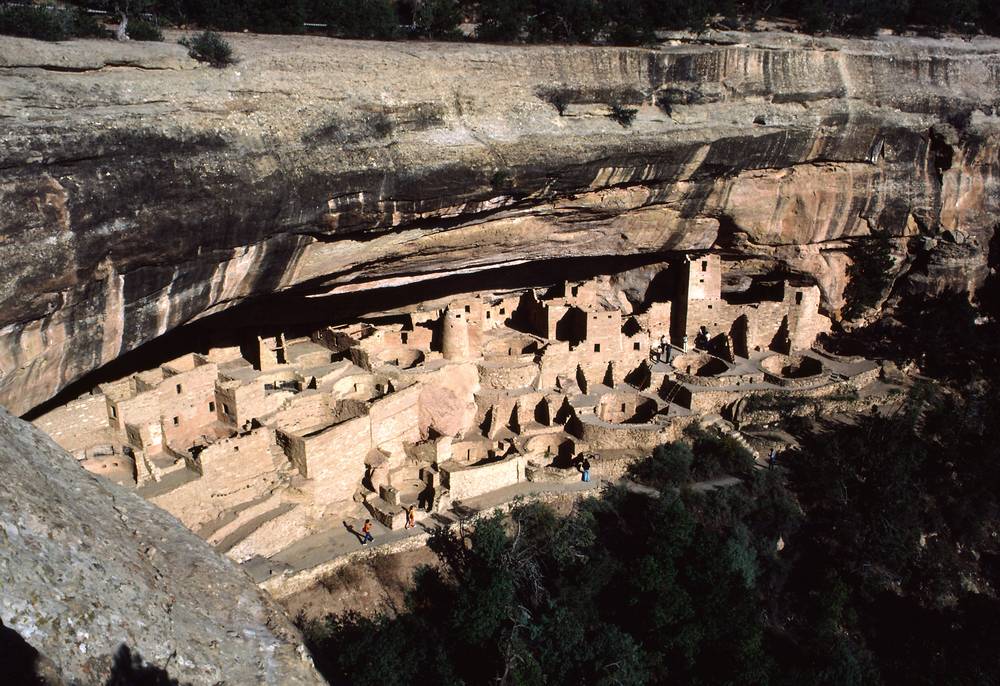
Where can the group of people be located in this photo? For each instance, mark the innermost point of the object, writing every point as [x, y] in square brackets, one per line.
[664, 351]
[661, 353]
[366, 530]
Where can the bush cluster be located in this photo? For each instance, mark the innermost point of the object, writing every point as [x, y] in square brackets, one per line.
[620, 22]
[48, 23]
[142, 30]
[210, 47]
[870, 274]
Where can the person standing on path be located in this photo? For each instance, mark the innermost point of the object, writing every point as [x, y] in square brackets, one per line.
[410, 518]
[585, 466]
[366, 532]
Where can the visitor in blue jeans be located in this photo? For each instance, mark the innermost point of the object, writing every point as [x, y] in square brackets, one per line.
[585, 466]
[366, 531]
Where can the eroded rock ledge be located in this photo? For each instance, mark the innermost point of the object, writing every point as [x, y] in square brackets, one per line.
[140, 191]
[87, 567]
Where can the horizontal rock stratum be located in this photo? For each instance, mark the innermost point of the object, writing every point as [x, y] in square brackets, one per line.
[140, 190]
[87, 567]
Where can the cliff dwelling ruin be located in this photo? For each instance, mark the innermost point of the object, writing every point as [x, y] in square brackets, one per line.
[257, 446]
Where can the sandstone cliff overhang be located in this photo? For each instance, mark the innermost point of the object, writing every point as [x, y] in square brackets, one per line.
[140, 190]
[87, 566]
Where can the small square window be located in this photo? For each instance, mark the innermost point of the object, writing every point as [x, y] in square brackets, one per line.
[404, 336]
[503, 310]
[597, 347]
[177, 421]
[701, 280]
[637, 346]
[709, 307]
[575, 290]
[798, 298]
[178, 388]
[468, 308]
[211, 406]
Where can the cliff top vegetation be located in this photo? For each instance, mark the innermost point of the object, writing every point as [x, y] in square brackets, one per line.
[617, 22]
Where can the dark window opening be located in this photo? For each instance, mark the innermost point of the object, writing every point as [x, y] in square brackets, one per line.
[704, 265]
[404, 336]
[225, 408]
[488, 314]
[114, 411]
[798, 298]
[597, 347]
[468, 308]
[503, 310]
[211, 406]
[177, 421]
[575, 290]
[178, 388]
[637, 346]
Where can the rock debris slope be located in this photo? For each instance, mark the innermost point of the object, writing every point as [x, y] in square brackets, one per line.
[140, 190]
[86, 566]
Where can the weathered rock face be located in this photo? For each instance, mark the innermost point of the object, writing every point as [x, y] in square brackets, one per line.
[87, 566]
[140, 190]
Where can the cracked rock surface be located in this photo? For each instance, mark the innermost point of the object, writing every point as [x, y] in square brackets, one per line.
[86, 566]
[140, 190]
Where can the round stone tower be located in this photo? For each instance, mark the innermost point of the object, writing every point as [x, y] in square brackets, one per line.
[455, 334]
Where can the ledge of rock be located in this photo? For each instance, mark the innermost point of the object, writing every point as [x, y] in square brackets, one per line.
[87, 567]
[140, 191]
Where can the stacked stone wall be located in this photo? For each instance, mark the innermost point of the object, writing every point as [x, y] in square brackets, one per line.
[469, 482]
[334, 459]
[78, 424]
[187, 404]
[395, 419]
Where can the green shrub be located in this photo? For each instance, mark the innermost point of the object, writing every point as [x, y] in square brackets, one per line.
[719, 456]
[210, 47]
[438, 19]
[558, 99]
[142, 30]
[268, 16]
[566, 21]
[42, 23]
[503, 21]
[870, 275]
[669, 465]
[622, 114]
[375, 19]
[85, 25]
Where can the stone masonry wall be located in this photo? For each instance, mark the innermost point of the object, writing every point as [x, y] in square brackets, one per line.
[75, 425]
[472, 481]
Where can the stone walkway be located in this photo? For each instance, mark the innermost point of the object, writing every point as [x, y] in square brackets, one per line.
[339, 541]
[310, 559]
